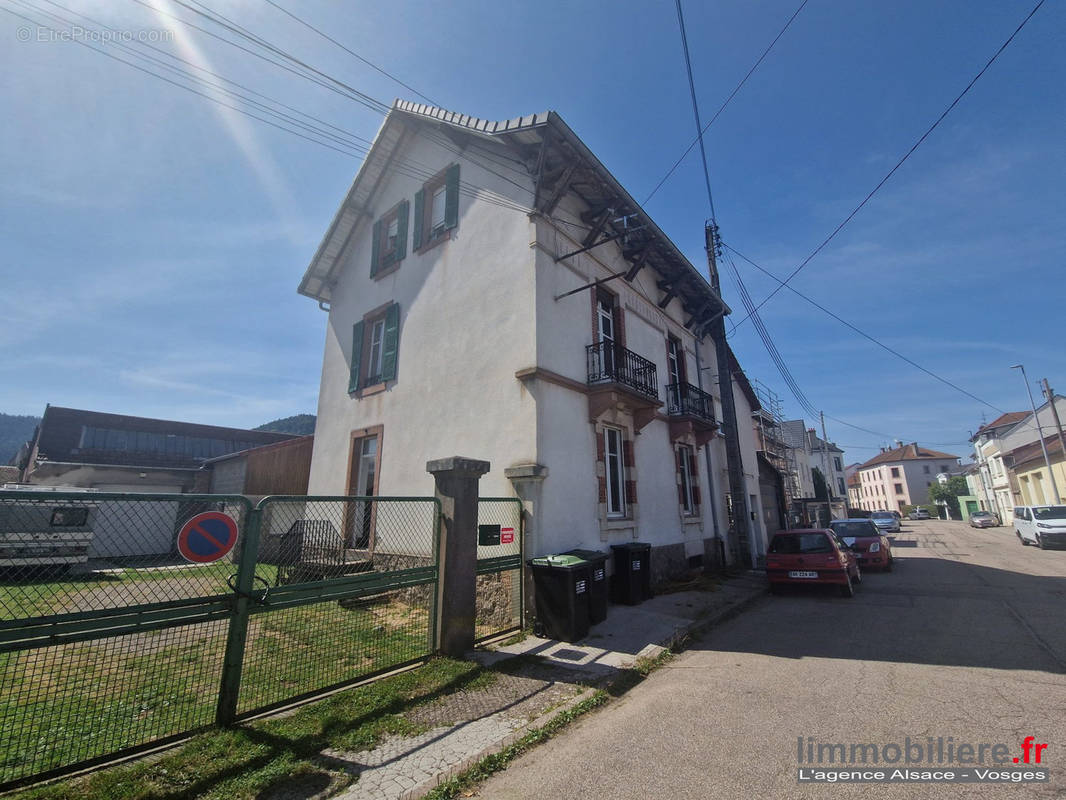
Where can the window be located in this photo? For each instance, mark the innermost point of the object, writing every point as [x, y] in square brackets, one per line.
[675, 360]
[837, 465]
[436, 208]
[925, 468]
[895, 472]
[899, 488]
[615, 469]
[943, 468]
[375, 342]
[685, 464]
[390, 240]
[843, 489]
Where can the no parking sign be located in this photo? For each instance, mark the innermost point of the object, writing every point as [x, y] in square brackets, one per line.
[207, 537]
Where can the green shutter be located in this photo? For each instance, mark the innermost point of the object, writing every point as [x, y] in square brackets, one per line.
[391, 343]
[357, 356]
[451, 199]
[375, 250]
[420, 201]
[401, 230]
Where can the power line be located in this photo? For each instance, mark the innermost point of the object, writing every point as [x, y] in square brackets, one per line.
[695, 107]
[721, 108]
[898, 164]
[329, 38]
[860, 332]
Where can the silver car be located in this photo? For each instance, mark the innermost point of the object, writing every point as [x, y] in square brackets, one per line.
[885, 521]
[983, 519]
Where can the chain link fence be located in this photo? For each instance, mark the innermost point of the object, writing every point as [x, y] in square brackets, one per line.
[353, 594]
[499, 567]
[127, 620]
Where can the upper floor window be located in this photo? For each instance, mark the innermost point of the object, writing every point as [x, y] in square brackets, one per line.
[899, 488]
[375, 344]
[895, 472]
[925, 468]
[841, 487]
[675, 360]
[685, 464]
[437, 208]
[837, 465]
[390, 240]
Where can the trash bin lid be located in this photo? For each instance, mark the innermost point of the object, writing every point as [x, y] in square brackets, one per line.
[559, 560]
[587, 555]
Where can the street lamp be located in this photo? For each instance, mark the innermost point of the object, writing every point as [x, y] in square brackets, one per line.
[1040, 433]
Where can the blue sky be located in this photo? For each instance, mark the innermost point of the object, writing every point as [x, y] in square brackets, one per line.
[153, 241]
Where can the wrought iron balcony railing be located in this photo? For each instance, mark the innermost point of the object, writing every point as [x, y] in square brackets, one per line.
[684, 398]
[608, 362]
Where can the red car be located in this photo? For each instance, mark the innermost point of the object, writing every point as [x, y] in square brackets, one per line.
[811, 555]
[870, 545]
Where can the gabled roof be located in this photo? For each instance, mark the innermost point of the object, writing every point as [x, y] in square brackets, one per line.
[557, 161]
[1002, 421]
[908, 452]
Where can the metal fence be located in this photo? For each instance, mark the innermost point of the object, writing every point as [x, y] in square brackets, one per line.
[118, 631]
[499, 567]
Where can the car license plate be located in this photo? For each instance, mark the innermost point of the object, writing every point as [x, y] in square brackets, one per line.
[801, 574]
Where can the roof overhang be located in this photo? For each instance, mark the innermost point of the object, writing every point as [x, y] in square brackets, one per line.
[559, 163]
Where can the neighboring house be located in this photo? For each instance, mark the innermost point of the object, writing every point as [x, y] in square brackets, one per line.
[1022, 433]
[897, 478]
[995, 489]
[493, 292]
[854, 485]
[1031, 485]
[280, 468]
[90, 451]
[830, 462]
[119, 453]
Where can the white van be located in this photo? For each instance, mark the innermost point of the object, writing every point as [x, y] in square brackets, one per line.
[1044, 526]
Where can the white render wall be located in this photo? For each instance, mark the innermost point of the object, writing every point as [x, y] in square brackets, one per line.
[464, 325]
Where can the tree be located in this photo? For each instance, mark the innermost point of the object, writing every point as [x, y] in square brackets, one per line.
[948, 494]
[821, 490]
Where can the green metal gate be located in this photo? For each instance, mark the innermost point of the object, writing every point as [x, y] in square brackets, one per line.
[111, 642]
[499, 567]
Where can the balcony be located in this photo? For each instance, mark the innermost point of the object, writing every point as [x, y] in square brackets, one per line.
[619, 378]
[691, 412]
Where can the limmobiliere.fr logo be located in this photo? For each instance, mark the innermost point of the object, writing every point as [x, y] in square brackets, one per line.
[932, 759]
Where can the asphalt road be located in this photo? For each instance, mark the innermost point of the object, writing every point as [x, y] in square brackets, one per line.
[965, 638]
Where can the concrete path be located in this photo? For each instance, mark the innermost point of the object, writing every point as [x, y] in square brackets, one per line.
[552, 677]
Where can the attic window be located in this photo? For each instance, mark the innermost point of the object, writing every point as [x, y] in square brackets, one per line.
[390, 240]
[437, 208]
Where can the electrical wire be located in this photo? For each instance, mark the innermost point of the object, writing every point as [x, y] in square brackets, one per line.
[721, 108]
[859, 331]
[898, 164]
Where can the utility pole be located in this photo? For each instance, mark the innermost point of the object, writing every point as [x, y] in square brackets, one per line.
[1040, 434]
[740, 533]
[828, 468]
[1050, 395]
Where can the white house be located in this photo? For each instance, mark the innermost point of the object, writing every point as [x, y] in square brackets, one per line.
[494, 292]
[894, 479]
[988, 451]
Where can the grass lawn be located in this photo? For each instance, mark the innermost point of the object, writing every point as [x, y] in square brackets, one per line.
[245, 761]
[72, 702]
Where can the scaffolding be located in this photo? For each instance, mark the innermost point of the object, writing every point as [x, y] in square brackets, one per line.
[771, 442]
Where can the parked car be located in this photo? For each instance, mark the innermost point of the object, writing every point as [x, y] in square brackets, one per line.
[871, 547]
[811, 555]
[886, 521]
[1044, 526]
[919, 513]
[983, 519]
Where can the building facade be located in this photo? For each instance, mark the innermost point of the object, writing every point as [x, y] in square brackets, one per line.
[493, 292]
[895, 479]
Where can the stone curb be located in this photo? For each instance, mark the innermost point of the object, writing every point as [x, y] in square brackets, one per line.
[421, 791]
